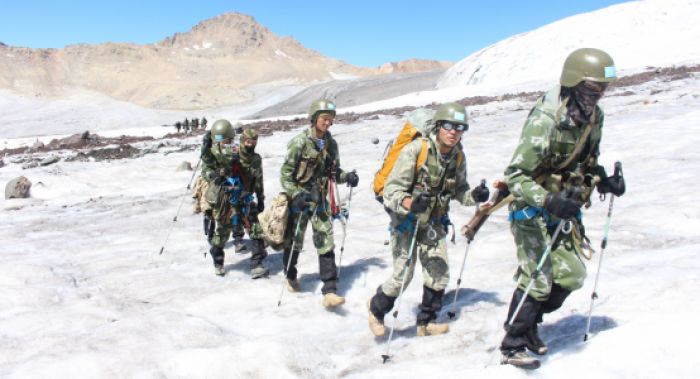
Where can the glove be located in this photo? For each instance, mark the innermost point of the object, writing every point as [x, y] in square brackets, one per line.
[612, 184]
[206, 141]
[480, 193]
[216, 178]
[316, 196]
[420, 202]
[562, 205]
[301, 201]
[352, 179]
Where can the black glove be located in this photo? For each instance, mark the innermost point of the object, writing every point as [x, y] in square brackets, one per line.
[206, 141]
[612, 184]
[301, 201]
[480, 193]
[316, 196]
[420, 202]
[352, 179]
[562, 204]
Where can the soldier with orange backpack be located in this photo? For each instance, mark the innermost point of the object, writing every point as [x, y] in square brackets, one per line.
[420, 176]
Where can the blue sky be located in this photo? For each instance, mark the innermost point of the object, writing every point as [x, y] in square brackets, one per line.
[366, 33]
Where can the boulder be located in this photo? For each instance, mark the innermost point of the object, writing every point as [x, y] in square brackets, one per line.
[184, 166]
[18, 188]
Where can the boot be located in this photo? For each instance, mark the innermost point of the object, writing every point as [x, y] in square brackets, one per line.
[257, 270]
[331, 300]
[328, 272]
[239, 245]
[432, 329]
[375, 325]
[430, 305]
[516, 335]
[379, 305]
[534, 343]
[292, 273]
[520, 358]
[217, 255]
[292, 285]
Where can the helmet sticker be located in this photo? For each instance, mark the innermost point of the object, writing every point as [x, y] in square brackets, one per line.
[610, 72]
[218, 137]
[330, 106]
[459, 116]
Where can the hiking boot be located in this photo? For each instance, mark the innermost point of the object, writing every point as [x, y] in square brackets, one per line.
[534, 343]
[520, 358]
[376, 326]
[331, 300]
[292, 285]
[239, 246]
[258, 272]
[432, 329]
[219, 270]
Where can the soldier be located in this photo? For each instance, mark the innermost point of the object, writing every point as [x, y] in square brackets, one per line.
[228, 193]
[418, 195]
[195, 123]
[178, 126]
[312, 160]
[204, 122]
[186, 126]
[552, 174]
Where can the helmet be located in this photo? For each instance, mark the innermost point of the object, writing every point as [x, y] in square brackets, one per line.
[588, 64]
[452, 112]
[222, 130]
[249, 134]
[319, 106]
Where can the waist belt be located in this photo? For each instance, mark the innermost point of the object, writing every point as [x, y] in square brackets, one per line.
[530, 212]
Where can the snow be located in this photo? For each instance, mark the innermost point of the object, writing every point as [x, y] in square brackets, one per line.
[84, 292]
[636, 34]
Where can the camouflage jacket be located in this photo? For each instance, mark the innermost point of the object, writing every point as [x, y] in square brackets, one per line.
[444, 178]
[220, 160]
[306, 165]
[548, 139]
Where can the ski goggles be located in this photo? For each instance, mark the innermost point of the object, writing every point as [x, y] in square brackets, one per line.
[592, 89]
[453, 126]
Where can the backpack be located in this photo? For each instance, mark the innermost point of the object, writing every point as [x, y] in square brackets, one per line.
[414, 127]
[273, 220]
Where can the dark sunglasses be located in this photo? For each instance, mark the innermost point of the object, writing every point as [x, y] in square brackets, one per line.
[450, 126]
[593, 88]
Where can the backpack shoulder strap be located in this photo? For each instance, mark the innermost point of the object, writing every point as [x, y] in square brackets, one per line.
[423, 155]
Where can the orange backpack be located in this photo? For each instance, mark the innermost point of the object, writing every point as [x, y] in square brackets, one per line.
[406, 136]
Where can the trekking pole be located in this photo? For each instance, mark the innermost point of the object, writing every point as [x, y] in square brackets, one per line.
[395, 314]
[537, 271]
[291, 253]
[182, 201]
[451, 313]
[345, 233]
[603, 244]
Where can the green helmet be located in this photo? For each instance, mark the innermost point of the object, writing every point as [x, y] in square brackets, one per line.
[588, 64]
[452, 112]
[221, 130]
[321, 106]
[249, 134]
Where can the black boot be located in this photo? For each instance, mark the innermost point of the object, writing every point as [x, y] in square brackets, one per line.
[516, 341]
[429, 307]
[217, 255]
[328, 272]
[209, 225]
[291, 273]
[257, 270]
[380, 304]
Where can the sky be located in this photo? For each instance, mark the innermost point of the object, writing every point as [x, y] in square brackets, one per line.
[364, 33]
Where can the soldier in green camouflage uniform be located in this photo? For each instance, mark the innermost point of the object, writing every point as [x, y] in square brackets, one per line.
[552, 174]
[422, 195]
[312, 159]
[222, 161]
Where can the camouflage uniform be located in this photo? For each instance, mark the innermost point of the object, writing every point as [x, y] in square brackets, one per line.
[304, 167]
[548, 139]
[445, 178]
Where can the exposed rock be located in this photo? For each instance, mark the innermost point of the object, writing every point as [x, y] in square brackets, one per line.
[184, 166]
[375, 140]
[18, 188]
[49, 160]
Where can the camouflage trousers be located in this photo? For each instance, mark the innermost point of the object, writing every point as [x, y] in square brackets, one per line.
[563, 266]
[431, 250]
[236, 224]
[321, 225]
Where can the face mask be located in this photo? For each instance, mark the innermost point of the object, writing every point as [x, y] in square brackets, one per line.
[249, 149]
[583, 99]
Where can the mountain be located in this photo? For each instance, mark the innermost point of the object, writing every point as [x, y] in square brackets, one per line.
[213, 64]
[637, 34]
[414, 65]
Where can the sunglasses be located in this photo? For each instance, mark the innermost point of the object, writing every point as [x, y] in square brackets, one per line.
[592, 88]
[452, 126]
